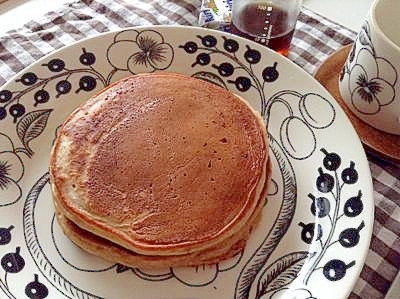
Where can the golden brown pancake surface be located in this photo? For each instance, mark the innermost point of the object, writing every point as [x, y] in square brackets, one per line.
[160, 163]
[110, 251]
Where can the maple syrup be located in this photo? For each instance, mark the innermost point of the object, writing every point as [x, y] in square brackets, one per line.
[265, 24]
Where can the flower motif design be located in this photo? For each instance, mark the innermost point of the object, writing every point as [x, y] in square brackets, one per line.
[371, 83]
[11, 172]
[371, 78]
[139, 52]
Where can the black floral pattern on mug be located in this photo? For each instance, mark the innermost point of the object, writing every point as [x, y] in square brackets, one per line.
[371, 78]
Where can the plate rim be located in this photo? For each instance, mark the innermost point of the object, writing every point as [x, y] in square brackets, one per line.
[355, 138]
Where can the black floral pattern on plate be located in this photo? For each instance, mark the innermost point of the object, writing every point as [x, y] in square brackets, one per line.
[230, 64]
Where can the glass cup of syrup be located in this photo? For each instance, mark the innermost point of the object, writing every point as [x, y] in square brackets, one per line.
[268, 22]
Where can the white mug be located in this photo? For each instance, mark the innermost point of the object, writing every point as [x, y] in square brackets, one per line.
[369, 83]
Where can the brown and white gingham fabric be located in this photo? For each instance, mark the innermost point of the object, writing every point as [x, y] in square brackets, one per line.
[315, 39]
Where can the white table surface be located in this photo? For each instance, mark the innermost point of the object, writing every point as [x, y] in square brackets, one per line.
[350, 13]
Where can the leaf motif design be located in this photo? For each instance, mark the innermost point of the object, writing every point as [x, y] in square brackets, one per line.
[31, 126]
[211, 78]
[365, 36]
[282, 223]
[281, 272]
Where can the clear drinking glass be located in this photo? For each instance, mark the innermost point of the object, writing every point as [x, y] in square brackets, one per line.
[268, 22]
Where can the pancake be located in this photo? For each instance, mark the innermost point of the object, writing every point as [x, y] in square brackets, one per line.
[112, 252]
[161, 164]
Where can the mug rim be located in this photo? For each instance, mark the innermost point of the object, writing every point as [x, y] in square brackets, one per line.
[378, 27]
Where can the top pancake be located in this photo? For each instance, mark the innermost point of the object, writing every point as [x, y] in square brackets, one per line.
[160, 164]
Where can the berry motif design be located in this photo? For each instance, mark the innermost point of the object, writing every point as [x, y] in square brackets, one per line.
[28, 79]
[63, 87]
[350, 236]
[36, 289]
[56, 65]
[12, 263]
[5, 235]
[270, 74]
[86, 83]
[230, 45]
[336, 269]
[87, 58]
[333, 177]
[41, 95]
[238, 72]
[5, 96]
[311, 232]
[353, 206]
[320, 206]
[252, 56]
[208, 41]
[17, 110]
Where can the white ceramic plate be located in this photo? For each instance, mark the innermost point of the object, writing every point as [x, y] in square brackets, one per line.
[317, 221]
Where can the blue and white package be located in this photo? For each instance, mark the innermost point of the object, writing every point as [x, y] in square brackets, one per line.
[216, 14]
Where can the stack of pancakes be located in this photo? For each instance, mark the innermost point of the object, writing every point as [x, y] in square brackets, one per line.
[160, 170]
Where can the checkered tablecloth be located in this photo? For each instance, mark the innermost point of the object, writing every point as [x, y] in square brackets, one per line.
[315, 39]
